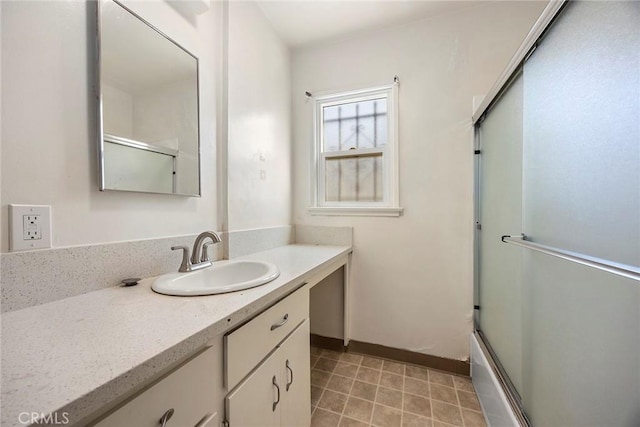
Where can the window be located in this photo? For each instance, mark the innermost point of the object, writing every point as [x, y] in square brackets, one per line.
[355, 160]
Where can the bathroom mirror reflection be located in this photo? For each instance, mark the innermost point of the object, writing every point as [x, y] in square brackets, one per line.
[149, 129]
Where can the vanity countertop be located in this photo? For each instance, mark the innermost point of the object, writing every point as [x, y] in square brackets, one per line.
[78, 354]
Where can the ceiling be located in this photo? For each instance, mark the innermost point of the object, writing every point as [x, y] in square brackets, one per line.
[302, 22]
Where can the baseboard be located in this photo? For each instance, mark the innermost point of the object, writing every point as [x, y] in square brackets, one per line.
[329, 343]
[434, 362]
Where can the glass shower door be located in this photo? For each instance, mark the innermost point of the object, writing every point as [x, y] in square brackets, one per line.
[560, 163]
[581, 192]
[500, 212]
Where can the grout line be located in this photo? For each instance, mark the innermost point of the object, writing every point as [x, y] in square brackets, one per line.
[347, 402]
[459, 405]
[379, 403]
[404, 379]
[319, 399]
[375, 398]
[431, 400]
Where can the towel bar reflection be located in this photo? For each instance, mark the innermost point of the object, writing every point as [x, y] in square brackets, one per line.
[624, 270]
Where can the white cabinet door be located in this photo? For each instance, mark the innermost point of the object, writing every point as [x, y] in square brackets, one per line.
[296, 393]
[256, 402]
[278, 392]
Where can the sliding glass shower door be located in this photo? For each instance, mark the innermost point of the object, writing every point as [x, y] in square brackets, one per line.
[560, 163]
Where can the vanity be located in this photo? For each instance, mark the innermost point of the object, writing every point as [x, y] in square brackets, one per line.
[130, 356]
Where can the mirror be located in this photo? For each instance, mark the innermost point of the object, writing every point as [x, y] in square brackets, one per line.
[149, 128]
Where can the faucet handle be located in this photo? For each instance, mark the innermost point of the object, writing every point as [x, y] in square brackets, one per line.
[186, 263]
[205, 253]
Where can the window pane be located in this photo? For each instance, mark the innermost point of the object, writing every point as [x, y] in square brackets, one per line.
[347, 134]
[358, 125]
[382, 135]
[354, 179]
[331, 134]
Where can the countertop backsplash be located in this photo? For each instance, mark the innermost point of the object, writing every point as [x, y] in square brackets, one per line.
[37, 277]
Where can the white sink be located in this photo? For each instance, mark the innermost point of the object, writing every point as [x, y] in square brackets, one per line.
[223, 276]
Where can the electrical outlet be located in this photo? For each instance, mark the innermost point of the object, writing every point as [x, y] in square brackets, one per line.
[29, 227]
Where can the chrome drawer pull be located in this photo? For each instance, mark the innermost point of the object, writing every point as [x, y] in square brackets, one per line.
[284, 320]
[290, 370]
[275, 383]
[206, 419]
[166, 417]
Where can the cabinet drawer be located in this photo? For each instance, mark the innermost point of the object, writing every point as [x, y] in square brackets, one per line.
[189, 391]
[248, 345]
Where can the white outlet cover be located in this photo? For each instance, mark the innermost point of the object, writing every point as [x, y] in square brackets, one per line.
[17, 240]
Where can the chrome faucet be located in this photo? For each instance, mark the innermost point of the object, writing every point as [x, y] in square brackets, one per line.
[200, 256]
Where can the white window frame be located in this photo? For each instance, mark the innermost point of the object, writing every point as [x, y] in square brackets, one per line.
[390, 206]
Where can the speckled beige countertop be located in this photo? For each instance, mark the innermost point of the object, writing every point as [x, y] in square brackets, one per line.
[78, 354]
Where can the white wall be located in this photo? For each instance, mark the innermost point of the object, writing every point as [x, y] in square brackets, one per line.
[174, 106]
[412, 276]
[259, 134]
[49, 133]
[117, 111]
[2, 229]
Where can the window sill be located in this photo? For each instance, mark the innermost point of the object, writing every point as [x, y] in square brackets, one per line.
[356, 211]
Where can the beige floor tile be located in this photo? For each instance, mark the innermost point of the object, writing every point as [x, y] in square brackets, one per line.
[464, 384]
[346, 369]
[351, 358]
[446, 413]
[330, 354]
[333, 401]
[441, 378]
[384, 416]
[469, 400]
[350, 422]
[473, 418]
[368, 375]
[417, 405]
[418, 387]
[358, 409]
[390, 380]
[340, 383]
[417, 372]
[316, 393]
[443, 393]
[322, 418]
[319, 378]
[411, 420]
[364, 391]
[393, 367]
[353, 390]
[324, 364]
[371, 362]
[389, 397]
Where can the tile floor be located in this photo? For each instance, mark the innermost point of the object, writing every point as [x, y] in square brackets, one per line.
[351, 390]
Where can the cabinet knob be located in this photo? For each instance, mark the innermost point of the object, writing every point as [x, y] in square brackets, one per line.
[166, 417]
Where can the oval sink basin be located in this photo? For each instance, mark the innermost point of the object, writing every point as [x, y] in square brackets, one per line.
[222, 277]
